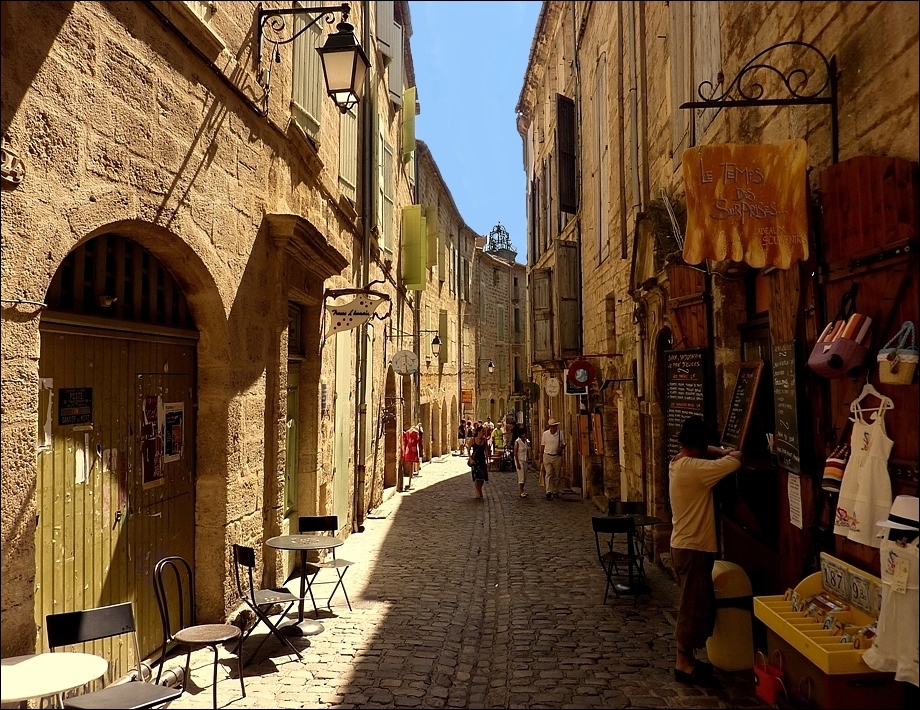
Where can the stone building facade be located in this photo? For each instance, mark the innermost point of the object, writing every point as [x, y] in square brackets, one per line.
[168, 253]
[604, 136]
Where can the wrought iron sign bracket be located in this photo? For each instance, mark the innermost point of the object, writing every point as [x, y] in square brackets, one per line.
[367, 291]
[795, 81]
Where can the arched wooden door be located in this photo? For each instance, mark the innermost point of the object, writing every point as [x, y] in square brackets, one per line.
[116, 462]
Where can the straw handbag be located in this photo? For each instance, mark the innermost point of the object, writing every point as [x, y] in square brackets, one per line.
[897, 361]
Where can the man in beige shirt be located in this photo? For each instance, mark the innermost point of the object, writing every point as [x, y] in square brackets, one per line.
[693, 473]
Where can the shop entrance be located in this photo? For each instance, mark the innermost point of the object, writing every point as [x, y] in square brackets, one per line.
[116, 463]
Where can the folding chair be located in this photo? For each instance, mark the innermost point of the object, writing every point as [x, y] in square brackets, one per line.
[610, 558]
[626, 507]
[182, 628]
[325, 524]
[74, 627]
[260, 600]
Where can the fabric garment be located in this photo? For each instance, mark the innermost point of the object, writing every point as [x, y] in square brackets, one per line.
[690, 486]
[410, 442]
[498, 439]
[552, 466]
[479, 471]
[521, 458]
[865, 493]
[552, 443]
[696, 617]
[897, 639]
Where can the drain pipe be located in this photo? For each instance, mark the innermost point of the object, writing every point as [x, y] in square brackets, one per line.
[361, 368]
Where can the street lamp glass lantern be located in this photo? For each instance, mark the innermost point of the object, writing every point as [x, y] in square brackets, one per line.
[436, 346]
[345, 66]
[491, 367]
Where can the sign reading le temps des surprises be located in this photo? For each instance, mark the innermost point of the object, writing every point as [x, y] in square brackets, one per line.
[747, 203]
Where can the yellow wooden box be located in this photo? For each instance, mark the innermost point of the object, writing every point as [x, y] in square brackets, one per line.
[808, 636]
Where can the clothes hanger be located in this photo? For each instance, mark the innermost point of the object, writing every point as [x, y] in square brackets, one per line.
[885, 403]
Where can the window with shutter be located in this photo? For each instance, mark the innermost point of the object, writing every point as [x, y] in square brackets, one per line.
[369, 386]
[431, 215]
[348, 153]
[442, 256]
[534, 219]
[385, 21]
[707, 57]
[502, 372]
[541, 281]
[565, 153]
[517, 324]
[602, 174]
[679, 50]
[307, 77]
[413, 248]
[501, 324]
[444, 335]
[395, 70]
[388, 192]
[408, 124]
[569, 297]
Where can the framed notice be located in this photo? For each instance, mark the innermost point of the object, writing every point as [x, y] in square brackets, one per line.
[685, 391]
[741, 406]
[174, 431]
[75, 406]
[152, 442]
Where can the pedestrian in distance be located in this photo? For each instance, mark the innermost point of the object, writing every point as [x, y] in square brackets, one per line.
[479, 459]
[693, 473]
[410, 453]
[521, 458]
[552, 447]
[461, 437]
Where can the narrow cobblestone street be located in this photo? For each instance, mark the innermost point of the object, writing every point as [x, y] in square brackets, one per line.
[482, 604]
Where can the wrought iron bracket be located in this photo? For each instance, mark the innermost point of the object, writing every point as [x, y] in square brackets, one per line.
[739, 94]
[274, 18]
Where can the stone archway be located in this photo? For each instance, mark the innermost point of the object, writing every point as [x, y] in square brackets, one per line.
[445, 430]
[434, 432]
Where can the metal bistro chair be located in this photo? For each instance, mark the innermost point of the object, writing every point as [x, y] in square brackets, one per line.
[260, 600]
[632, 507]
[328, 524]
[183, 628]
[73, 627]
[610, 558]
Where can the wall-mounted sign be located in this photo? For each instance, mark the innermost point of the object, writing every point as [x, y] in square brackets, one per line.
[685, 391]
[747, 203]
[741, 406]
[75, 405]
[551, 387]
[174, 434]
[466, 396]
[353, 314]
[785, 406]
[405, 362]
[581, 373]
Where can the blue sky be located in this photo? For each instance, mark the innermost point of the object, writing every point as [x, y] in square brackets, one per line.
[470, 59]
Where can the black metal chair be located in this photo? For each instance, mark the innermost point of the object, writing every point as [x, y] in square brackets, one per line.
[182, 627]
[73, 627]
[260, 600]
[326, 524]
[605, 532]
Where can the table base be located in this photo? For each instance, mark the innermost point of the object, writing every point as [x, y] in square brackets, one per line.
[307, 627]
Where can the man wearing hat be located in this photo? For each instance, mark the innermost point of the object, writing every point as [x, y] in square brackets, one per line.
[552, 446]
[693, 473]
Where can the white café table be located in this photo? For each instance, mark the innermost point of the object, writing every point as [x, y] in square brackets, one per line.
[46, 674]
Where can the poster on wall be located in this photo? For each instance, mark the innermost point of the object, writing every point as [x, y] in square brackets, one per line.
[747, 203]
[174, 434]
[152, 442]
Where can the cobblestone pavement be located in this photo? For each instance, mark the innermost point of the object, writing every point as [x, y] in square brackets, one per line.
[459, 602]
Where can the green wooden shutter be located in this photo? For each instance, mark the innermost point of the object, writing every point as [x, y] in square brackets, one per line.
[444, 335]
[413, 248]
[431, 234]
[408, 124]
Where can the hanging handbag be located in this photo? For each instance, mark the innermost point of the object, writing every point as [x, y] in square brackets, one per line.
[842, 346]
[897, 361]
[802, 698]
[768, 678]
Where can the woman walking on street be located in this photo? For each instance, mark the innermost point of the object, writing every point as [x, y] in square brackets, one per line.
[521, 458]
[478, 454]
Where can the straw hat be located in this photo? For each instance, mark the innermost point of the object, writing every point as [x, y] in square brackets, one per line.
[904, 514]
[552, 422]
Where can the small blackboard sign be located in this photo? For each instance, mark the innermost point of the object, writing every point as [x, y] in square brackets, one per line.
[75, 405]
[685, 379]
[742, 405]
[786, 438]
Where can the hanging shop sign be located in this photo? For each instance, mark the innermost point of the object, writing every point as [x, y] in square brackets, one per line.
[353, 314]
[581, 373]
[747, 203]
[551, 387]
[466, 396]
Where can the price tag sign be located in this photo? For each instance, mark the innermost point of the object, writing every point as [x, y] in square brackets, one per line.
[835, 578]
[860, 588]
[899, 579]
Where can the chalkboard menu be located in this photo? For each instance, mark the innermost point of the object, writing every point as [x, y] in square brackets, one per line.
[742, 404]
[685, 375]
[786, 439]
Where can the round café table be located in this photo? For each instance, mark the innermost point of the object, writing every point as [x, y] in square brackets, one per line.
[304, 544]
[47, 674]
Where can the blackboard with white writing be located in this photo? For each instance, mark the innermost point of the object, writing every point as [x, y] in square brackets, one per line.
[742, 405]
[786, 439]
[685, 375]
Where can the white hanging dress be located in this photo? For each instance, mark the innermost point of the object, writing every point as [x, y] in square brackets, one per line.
[898, 631]
[865, 493]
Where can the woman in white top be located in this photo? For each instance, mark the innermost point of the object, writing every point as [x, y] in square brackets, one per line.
[521, 458]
